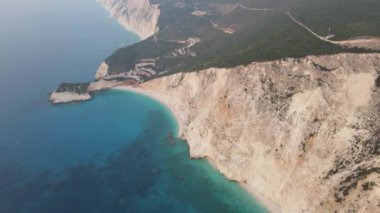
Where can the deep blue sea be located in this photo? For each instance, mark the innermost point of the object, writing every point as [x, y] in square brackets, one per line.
[116, 153]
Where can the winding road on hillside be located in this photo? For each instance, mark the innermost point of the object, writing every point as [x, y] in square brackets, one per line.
[367, 43]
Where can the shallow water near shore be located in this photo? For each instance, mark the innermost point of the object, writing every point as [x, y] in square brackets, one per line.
[115, 153]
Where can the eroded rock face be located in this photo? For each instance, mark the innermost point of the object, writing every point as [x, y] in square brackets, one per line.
[68, 97]
[138, 16]
[68, 93]
[303, 132]
[102, 71]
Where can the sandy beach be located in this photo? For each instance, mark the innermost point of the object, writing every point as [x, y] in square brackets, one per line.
[180, 113]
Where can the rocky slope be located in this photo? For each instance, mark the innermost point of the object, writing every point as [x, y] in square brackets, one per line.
[138, 16]
[303, 132]
[67, 93]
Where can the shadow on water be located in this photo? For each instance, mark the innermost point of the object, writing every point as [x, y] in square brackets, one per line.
[151, 174]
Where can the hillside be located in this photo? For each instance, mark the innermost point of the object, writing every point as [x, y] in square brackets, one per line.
[185, 36]
[304, 137]
[282, 96]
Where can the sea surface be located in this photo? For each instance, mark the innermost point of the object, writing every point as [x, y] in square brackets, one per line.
[115, 153]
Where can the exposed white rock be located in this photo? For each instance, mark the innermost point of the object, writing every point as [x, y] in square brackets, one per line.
[304, 137]
[102, 71]
[199, 13]
[67, 97]
[103, 84]
[185, 50]
[138, 16]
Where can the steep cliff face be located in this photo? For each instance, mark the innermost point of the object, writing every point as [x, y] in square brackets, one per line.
[303, 132]
[138, 16]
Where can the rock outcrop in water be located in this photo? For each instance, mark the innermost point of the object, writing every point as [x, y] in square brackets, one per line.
[138, 16]
[303, 132]
[67, 93]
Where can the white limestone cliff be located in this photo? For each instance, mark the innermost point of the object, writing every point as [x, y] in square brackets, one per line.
[138, 16]
[102, 71]
[68, 97]
[304, 133]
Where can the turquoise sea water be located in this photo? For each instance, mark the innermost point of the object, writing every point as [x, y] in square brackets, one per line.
[116, 153]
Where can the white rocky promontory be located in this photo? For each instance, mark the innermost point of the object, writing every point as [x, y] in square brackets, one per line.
[304, 133]
[71, 95]
[138, 16]
[68, 97]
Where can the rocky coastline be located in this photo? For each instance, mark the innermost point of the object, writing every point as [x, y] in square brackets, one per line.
[301, 133]
[141, 18]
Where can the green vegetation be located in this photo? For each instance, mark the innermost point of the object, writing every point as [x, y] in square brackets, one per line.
[259, 36]
[232, 33]
[345, 18]
[79, 88]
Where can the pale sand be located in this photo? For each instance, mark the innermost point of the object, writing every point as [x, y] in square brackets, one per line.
[181, 117]
[269, 204]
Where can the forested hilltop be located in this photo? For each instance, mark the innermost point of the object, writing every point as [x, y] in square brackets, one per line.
[198, 34]
[190, 35]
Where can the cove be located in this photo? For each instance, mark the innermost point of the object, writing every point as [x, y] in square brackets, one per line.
[116, 153]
